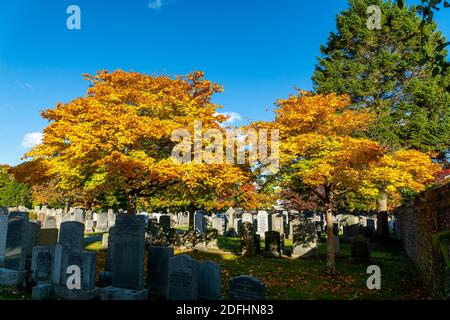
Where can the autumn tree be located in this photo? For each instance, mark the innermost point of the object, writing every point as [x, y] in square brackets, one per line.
[323, 150]
[118, 138]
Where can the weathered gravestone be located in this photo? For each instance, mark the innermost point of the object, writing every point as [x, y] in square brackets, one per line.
[209, 280]
[15, 250]
[34, 228]
[85, 264]
[272, 243]
[88, 225]
[158, 270]
[128, 258]
[16, 241]
[165, 221]
[111, 218]
[48, 237]
[3, 232]
[50, 222]
[102, 222]
[217, 223]
[247, 247]
[247, 288]
[78, 216]
[200, 221]
[42, 262]
[71, 236]
[304, 238]
[264, 222]
[183, 278]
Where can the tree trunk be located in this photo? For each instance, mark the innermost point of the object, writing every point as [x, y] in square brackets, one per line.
[331, 266]
[382, 218]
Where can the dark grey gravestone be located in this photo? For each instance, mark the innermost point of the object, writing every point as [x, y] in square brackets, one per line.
[34, 228]
[85, 261]
[164, 221]
[158, 269]
[209, 280]
[200, 221]
[71, 236]
[272, 243]
[183, 278]
[16, 241]
[128, 257]
[110, 254]
[247, 288]
[3, 233]
[41, 263]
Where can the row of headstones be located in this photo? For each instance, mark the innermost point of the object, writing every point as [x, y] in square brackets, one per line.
[99, 222]
[51, 266]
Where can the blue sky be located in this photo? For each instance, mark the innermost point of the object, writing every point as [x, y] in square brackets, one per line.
[258, 49]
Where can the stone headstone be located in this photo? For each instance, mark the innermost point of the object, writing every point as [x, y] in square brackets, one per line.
[209, 280]
[111, 218]
[50, 222]
[41, 263]
[86, 261]
[217, 223]
[247, 288]
[165, 221]
[199, 221]
[128, 255]
[88, 225]
[48, 237]
[183, 278]
[102, 222]
[3, 233]
[71, 236]
[110, 255]
[304, 238]
[246, 235]
[158, 269]
[360, 248]
[34, 228]
[264, 222]
[16, 241]
[272, 242]
[78, 216]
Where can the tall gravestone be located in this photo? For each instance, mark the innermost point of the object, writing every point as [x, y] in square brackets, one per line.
[183, 278]
[42, 262]
[128, 257]
[3, 233]
[246, 235]
[71, 236]
[111, 218]
[209, 280]
[200, 221]
[264, 222]
[247, 217]
[33, 233]
[16, 241]
[78, 215]
[102, 222]
[165, 222]
[247, 288]
[158, 269]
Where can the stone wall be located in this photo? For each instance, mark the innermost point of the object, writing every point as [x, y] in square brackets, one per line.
[418, 221]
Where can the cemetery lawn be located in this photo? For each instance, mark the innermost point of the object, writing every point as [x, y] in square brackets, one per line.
[305, 279]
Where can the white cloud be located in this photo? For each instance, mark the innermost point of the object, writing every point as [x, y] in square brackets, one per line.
[30, 140]
[232, 117]
[155, 4]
